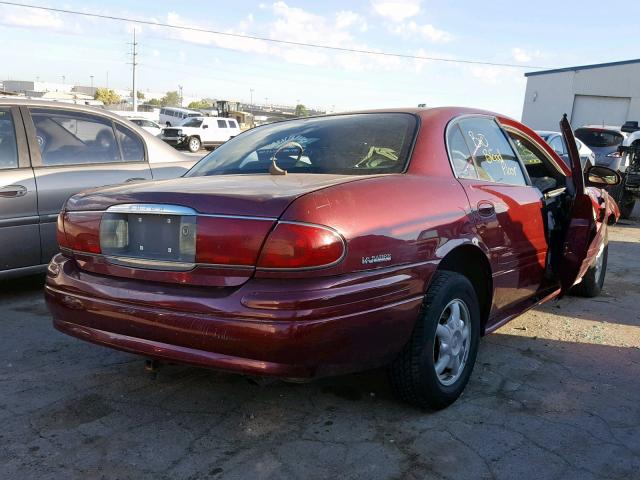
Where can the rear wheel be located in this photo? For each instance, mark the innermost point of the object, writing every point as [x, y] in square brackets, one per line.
[435, 365]
[194, 144]
[593, 280]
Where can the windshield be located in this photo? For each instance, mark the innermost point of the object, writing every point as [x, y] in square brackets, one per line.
[599, 138]
[355, 144]
[192, 122]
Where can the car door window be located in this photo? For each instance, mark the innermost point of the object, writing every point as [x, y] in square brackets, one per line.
[8, 144]
[222, 124]
[232, 124]
[130, 144]
[461, 158]
[558, 145]
[543, 175]
[67, 137]
[494, 158]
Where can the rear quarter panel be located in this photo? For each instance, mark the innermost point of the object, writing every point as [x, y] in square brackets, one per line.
[388, 221]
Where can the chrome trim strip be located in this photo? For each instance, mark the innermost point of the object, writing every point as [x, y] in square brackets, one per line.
[168, 210]
[149, 261]
[151, 208]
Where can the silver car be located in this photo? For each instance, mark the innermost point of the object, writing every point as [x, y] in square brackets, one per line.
[50, 151]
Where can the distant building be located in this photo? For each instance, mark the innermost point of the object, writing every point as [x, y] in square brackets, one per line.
[606, 93]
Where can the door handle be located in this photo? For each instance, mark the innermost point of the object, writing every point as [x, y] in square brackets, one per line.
[486, 209]
[135, 179]
[11, 191]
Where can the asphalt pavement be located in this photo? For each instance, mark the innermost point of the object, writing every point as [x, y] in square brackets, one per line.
[554, 395]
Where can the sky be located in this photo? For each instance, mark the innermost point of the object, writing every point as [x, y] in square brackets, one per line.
[546, 34]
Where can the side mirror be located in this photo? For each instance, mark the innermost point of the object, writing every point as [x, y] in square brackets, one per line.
[599, 176]
[205, 126]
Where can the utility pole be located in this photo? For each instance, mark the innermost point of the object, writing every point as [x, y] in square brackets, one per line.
[180, 88]
[91, 77]
[134, 54]
[251, 93]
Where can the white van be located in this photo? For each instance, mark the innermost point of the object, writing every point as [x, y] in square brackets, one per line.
[194, 133]
[171, 116]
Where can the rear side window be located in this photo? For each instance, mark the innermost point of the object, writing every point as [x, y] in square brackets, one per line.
[67, 137]
[8, 145]
[494, 158]
[599, 138]
[460, 154]
[232, 124]
[222, 124]
[131, 145]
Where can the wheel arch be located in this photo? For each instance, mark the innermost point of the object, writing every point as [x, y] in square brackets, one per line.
[471, 262]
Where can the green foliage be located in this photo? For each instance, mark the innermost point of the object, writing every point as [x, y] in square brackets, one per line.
[171, 99]
[154, 101]
[204, 103]
[301, 111]
[140, 95]
[107, 96]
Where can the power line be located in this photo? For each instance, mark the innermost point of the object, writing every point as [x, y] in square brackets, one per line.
[271, 40]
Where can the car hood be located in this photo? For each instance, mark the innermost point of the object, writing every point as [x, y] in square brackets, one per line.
[247, 195]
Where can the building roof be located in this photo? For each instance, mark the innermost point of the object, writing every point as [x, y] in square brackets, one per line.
[582, 67]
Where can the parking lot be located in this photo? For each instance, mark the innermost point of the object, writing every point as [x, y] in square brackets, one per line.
[554, 392]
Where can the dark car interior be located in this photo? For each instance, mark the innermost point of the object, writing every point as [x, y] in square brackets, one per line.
[72, 140]
[555, 196]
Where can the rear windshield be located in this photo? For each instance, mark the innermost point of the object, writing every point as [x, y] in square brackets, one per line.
[356, 144]
[599, 138]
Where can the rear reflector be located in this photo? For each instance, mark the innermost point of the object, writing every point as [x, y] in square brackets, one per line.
[230, 241]
[297, 245]
[82, 231]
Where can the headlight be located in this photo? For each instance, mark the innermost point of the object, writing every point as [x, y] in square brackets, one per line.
[179, 133]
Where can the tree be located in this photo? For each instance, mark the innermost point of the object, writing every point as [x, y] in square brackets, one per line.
[301, 111]
[171, 99]
[140, 95]
[204, 103]
[154, 101]
[106, 96]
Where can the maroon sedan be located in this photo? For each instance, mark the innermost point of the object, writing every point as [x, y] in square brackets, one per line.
[332, 244]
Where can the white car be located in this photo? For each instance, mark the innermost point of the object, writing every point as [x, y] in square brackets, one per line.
[197, 132]
[147, 125]
[554, 139]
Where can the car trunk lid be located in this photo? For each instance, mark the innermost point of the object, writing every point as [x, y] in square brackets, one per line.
[198, 230]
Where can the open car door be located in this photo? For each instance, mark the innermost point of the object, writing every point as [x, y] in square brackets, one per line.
[581, 238]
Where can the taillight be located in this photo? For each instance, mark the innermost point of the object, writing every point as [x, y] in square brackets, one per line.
[230, 241]
[61, 237]
[299, 245]
[82, 231]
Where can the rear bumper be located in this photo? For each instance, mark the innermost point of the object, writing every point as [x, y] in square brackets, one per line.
[298, 329]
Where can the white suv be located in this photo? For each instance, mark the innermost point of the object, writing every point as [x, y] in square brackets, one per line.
[197, 132]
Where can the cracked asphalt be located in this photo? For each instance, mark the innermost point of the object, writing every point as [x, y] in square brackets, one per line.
[555, 395]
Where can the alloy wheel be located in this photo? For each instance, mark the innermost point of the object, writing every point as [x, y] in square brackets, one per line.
[451, 348]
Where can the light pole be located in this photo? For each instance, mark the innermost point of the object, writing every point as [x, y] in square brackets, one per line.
[251, 94]
[180, 88]
[91, 77]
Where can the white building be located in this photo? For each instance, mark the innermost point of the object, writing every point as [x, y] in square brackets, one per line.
[606, 93]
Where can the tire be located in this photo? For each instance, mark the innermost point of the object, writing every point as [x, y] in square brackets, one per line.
[193, 144]
[626, 207]
[413, 374]
[593, 280]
